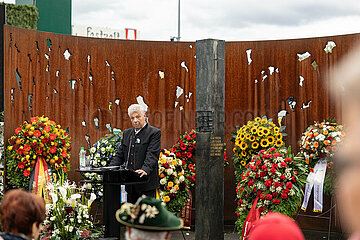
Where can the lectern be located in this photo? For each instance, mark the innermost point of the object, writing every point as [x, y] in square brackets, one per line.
[113, 177]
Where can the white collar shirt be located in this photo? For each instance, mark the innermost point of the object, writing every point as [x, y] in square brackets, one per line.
[137, 131]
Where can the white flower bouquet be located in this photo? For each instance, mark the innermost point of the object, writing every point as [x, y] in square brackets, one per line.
[174, 191]
[67, 213]
[101, 154]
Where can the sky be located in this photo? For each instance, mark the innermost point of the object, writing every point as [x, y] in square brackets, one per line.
[230, 20]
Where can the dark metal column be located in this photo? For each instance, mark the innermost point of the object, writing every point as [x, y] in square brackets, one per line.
[210, 108]
[2, 23]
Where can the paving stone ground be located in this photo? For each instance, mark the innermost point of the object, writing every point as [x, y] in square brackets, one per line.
[309, 235]
[231, 234]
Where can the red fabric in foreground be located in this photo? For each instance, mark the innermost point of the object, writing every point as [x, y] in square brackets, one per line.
[251, 219]
[276, 226]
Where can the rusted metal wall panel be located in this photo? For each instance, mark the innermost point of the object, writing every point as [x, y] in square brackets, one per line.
[135, 66]
[246, 99]
[120, 70]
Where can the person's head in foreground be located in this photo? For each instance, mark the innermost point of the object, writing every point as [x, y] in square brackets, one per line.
[22, 214]
[276, 226]
[346, 82]
[147, 219]
[347, 166]
[137, 114]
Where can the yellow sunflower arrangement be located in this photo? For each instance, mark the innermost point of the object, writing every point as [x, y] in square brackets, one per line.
[253, 137]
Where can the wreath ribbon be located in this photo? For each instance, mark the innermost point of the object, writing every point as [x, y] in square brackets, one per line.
[315, 180]
[40, 178]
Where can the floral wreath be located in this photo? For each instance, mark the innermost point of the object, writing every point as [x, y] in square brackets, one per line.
[68, 213]
[184, 149]
[320, 140]
[276, 178]
[253, 137]
[101, 154]
[174, 190]
[39, 139]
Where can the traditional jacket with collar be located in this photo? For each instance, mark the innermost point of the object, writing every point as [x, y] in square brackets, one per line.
[141, 151]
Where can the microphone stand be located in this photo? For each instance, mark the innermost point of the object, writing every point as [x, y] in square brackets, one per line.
[132, 135]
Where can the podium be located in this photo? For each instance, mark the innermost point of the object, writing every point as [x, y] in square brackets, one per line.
[113, 178]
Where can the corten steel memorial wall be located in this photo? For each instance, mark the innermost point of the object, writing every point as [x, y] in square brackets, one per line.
[273, 79]
[87, 84]
[75, 80]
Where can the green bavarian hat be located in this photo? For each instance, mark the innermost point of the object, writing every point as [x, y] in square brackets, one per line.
[148, 214]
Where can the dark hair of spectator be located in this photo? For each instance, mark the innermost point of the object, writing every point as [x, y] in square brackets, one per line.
[19, 210]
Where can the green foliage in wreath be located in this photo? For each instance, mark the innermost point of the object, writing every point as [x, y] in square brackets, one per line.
[277, 178]
[256, 135]
[329, 182]
[174, 189]
[101, 154]
[40, 138]
[185, 149]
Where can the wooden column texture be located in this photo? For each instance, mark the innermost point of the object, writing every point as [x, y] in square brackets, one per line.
[210, 106]
[2, 24]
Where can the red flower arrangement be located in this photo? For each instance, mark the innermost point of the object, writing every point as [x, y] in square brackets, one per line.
[226, 162]
[41, 138]
[276, 178]
[184, 149]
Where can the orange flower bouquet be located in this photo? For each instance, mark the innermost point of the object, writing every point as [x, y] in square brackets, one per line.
[41, 140]
[320, 140]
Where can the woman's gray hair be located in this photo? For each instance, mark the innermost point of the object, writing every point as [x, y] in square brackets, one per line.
[136, 108]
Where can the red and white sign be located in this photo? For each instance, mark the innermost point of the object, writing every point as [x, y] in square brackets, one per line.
[104, 32]
[130, 34]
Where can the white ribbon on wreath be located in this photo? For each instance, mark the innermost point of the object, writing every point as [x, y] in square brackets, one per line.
[315, 180]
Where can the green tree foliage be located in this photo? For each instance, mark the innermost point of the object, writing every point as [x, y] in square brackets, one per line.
[24, 16]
